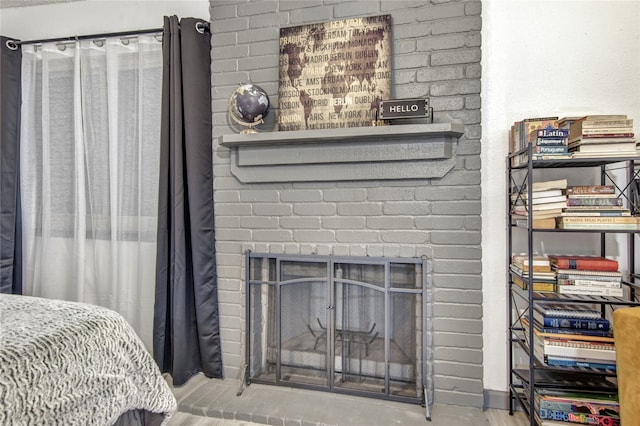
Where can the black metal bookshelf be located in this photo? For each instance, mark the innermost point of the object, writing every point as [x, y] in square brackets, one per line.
[525, 379]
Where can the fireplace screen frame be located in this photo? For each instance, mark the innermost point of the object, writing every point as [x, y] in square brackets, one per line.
[267, 285]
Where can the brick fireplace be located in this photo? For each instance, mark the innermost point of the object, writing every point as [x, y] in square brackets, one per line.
[409, 191]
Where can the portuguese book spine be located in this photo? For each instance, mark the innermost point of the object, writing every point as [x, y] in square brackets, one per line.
[551, 149]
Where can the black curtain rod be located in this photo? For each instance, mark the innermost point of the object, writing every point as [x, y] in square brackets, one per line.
[90, 36]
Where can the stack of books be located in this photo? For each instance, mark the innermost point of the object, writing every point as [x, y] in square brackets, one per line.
[596, 207]
[602, 136]
[544, 279]
[557, 407]
[587, 275]
[594, 200]
[572, 335]
[547, 203]
[523, 133]
[550, 143]
[563, 396]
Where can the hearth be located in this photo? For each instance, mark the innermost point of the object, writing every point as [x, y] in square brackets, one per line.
[342, 324]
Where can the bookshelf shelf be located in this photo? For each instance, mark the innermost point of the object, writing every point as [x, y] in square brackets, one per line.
[526, 381]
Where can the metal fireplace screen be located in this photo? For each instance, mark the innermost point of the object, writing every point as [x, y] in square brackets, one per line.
[343, 324]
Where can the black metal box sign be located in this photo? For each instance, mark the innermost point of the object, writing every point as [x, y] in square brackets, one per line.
[334, 74]
[405, 108]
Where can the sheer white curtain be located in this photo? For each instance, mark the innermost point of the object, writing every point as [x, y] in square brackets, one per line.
[90, 154]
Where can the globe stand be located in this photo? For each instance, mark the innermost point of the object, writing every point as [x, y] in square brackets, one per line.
[250, 126]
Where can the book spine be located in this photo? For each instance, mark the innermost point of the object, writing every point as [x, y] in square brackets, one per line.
[594, 201]
[591, 189]
[569, 273]
[590, 291]
[551, 149]
[594, 133]
[583, 418]
[558, 362]
[566, 403]
[626, 220]
[599, 355]
[585, 264]
[537, 286]
[592, 226]
[551, 132]
[607, 123]
[576, 323]
[608, 135]
[552, 141]
[588, 283]
[602, 213]
[567, 311]
[575, 332]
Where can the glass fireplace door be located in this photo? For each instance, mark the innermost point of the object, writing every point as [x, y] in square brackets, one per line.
[359, 318]
[303, 322]
[344, 324]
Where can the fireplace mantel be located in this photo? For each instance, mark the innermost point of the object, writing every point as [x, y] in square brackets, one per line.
[406, 151]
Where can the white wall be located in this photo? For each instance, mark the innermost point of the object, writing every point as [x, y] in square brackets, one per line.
[94, 17]
[542, 58]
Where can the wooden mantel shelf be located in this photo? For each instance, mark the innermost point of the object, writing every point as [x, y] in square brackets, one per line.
[362, 153]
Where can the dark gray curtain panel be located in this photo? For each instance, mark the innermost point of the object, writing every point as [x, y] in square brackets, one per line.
[10, 220]
[186, 323]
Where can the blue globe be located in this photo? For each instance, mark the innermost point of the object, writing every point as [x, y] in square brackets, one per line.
[249, 104]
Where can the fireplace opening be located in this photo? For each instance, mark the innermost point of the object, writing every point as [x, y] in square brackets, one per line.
[342, 324]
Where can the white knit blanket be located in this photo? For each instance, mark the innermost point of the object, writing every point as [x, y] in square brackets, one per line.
[70, 363]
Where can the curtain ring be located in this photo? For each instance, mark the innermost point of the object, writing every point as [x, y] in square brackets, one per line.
[98, 43]
[61, 47]
[124, 41]
[12, 45]
[158, 37]
[201, 27]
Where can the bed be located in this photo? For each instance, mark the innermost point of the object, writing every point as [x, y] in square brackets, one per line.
[73, 363]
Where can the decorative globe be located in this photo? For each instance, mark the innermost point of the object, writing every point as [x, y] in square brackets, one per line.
[248, 105]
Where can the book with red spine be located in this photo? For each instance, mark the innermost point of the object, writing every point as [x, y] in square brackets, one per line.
[593, 263]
